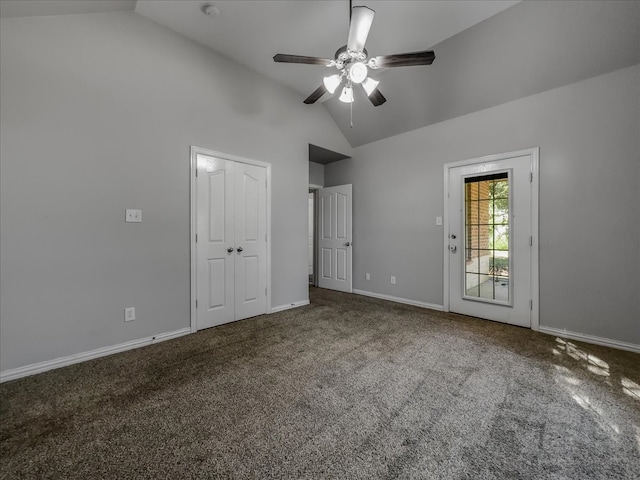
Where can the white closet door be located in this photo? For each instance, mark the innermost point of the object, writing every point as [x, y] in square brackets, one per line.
[231, 241]
[215, 230]
[250, 241]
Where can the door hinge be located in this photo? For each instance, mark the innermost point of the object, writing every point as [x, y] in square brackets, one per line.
[530, 304]
[196, 171]
[530, 177]
[265, 291]
[531, 241]
[196, 303]
[265, 237]
[196, 238]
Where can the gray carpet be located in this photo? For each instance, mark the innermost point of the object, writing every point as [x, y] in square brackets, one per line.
[347, 387]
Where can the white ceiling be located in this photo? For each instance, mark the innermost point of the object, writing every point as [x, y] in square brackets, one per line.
[28, 8]
[487, 52]
[251, 32]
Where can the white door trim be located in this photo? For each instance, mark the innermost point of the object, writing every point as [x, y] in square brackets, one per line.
[534, 155]
[193, 195]
[315, 189]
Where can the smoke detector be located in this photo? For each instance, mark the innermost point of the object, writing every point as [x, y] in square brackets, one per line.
[210, 10]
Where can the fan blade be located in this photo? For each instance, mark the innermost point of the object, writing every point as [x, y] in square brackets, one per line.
[317, 93]
[377, 98]
[404, 59]
[284, 58]
[361, 20]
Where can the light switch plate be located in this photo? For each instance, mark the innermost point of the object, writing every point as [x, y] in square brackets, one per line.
[133, 216]
[129, 314]
[438, 220]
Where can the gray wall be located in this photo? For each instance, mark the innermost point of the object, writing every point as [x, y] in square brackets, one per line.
[588, 134]
[316, 174]
[97, 115]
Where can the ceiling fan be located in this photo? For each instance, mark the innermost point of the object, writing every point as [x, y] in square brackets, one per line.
[352, 62]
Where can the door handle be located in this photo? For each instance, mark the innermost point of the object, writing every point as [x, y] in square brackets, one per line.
[348, 244]
[240, 249]
[230, 249]
[453, 248]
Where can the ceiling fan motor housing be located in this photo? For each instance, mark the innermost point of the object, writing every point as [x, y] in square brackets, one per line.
[344, 57]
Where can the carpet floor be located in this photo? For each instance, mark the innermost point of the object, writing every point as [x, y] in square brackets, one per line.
[348, 387]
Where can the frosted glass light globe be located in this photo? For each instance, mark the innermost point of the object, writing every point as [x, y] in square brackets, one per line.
[357, 72]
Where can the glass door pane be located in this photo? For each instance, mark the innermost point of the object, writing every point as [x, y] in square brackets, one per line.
[486, 242]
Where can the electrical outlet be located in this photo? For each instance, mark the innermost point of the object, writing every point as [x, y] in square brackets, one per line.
[393, 280]
[133, 216]
[129, 314]
[367, 276]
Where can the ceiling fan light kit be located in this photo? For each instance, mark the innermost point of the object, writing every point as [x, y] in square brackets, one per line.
[369, 85]
[353, 62]
[347, 95]
[332, 83]
[357, 72]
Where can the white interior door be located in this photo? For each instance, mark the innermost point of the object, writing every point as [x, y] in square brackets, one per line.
[334, 238]
[250, 241]
[310, 254]
[490, 240]
[231, 241]
[215, 242]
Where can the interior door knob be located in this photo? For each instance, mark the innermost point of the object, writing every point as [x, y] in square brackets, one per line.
[240, 249]
[348, 244]
[230, 249]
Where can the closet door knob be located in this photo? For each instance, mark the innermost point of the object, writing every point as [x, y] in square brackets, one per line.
[240, 249]
[230, 249]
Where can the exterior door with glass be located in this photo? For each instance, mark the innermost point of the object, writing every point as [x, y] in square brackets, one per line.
[490, 239]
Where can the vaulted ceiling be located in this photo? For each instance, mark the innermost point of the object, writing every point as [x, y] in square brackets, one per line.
[487, 52]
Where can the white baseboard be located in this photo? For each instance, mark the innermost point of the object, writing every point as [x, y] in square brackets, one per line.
[582, 337]
[34, 368]
[415, 303]
[281, 308]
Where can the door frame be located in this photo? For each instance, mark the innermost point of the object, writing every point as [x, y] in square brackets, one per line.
[193, 195]
[534, 155]
[314, 188]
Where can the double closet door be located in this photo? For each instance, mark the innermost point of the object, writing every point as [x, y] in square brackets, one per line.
[231, 241]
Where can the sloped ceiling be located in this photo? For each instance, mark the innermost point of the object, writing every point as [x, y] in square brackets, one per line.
[487, 52]
[27, 8]
[529, 48]
[252, 32]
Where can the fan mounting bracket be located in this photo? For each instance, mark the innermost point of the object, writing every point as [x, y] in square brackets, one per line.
[344, 57]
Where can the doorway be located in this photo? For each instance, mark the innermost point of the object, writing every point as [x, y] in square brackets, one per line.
[311, 256]
[230, 238]
[334, 238]
[491, 238]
